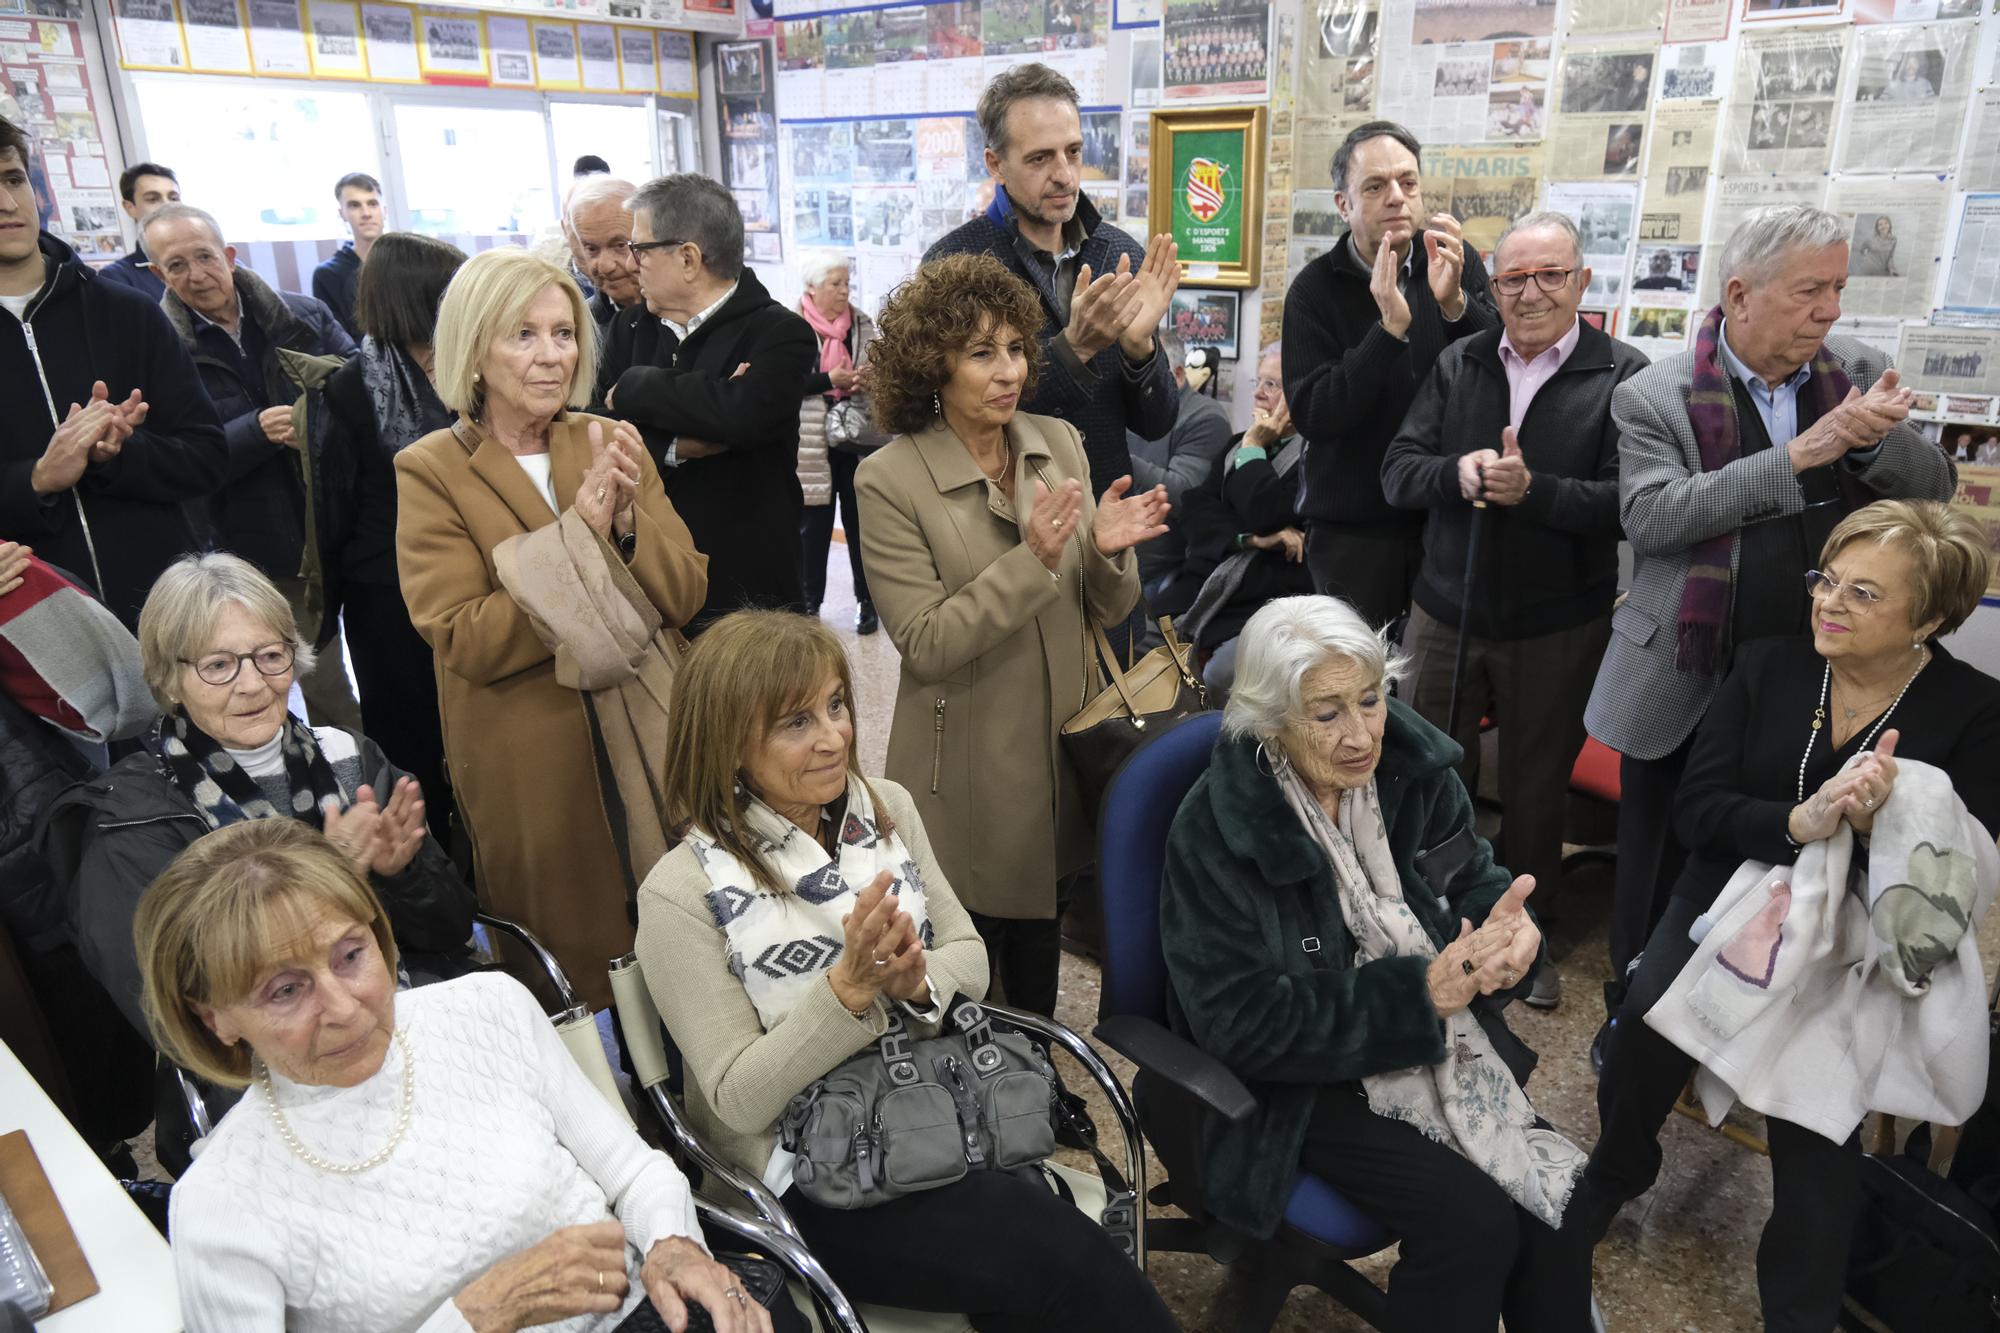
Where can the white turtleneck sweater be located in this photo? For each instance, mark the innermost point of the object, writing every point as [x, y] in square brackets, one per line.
[508, 1141]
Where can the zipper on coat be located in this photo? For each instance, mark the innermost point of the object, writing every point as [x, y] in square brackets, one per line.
[937, 745]
[35, 355]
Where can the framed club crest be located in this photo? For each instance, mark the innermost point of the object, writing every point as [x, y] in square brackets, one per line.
[1207, 191]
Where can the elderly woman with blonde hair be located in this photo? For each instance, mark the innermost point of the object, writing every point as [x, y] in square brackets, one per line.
[220, 649]
[802, 911]
[544, 565]
[1337, 933]
[424, 1160]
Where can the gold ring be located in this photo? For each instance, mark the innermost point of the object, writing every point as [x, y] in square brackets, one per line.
[600, 1279]
[600, 492]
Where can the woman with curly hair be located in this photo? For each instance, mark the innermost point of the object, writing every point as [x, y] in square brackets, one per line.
[988, 561]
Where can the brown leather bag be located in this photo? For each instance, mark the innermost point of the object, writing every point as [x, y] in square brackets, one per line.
[1158, 693]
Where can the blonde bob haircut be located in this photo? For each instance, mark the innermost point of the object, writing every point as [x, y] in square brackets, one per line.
[224, 915]
[746, 673]
[1948, 555]
[182, 608]
[490, 292]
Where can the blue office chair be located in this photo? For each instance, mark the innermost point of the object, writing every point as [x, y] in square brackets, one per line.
[1178, 1085]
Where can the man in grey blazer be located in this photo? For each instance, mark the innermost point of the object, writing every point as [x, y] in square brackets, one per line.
[1802, 461]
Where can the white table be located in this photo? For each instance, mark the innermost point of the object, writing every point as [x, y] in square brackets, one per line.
[134, 1268]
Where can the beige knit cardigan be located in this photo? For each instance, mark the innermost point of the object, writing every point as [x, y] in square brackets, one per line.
[739, 1076]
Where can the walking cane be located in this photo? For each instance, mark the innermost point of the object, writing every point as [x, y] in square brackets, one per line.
[1465, 613]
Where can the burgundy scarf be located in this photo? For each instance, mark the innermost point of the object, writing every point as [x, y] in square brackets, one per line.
[1704, 618]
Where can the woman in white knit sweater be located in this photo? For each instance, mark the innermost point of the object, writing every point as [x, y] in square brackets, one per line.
[801, 905]
[431, 1160]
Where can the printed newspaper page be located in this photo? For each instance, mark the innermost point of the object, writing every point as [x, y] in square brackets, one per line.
[1598, 16]
[1484, 188]
[1972, 288]
[1602, 211]
[1735, 198]
[1782, 103]
[1909, 97]
[1440, 60]
[1893, 249]
[1942, 361]
[1600, 123]
[1979, 169]
[1677, 175]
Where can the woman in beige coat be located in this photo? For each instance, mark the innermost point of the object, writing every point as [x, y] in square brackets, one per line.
[984, 554]
[514, 351]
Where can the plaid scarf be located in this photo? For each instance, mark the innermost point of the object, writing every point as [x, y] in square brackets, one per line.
[1704, 617]
[225, 794]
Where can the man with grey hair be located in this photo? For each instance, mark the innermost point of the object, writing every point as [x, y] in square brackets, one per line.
[1510, 440]
[711, 370]
[598, 226]
[237, 328]
[1180, 461]
[1101, 292]
[1736, 460]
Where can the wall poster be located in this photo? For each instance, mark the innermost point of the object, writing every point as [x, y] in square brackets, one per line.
[1206, 191]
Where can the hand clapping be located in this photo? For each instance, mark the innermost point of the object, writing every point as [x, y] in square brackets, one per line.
[1859, 422]
[1123, 521]
[1854, 794]
[610, 488]
[379, 839]
[1052, 520]
[14, 559]
[882, 953]
[1444, 253]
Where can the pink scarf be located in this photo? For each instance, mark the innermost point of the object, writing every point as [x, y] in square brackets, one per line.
[833, 353]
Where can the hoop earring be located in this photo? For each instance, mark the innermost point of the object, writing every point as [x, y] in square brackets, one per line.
[1273, 765]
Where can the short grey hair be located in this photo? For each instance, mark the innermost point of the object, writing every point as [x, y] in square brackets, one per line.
[179, 213]
[820, 265]
[592, 190]
[1018, 83]
[688, 207]
[1535, 221]
[181, 611]
[1274, 348]
[1758, 246]
[1172, 346]
[1287, 638]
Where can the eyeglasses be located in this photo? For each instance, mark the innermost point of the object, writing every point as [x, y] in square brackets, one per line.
[273, 659]
[1270, 386]
[177, 268]
[1860, 598]
[1516, 282]
[640, 247]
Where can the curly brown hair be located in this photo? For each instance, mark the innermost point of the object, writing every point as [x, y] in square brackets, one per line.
[930, 319]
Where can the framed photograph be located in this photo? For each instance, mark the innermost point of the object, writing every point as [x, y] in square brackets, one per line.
[739, 69]
[1207, 319]
[1206, 190]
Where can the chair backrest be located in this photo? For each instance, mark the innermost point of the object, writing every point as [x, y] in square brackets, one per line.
[1132, 826]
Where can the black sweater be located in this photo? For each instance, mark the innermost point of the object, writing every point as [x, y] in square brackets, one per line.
[1549, 563]
[1349, 381]
[1742, 776]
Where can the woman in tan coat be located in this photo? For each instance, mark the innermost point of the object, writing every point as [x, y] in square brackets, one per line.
[514, 353]
[984, 554]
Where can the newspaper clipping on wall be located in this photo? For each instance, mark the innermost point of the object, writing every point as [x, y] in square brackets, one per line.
[1950, 361]
[1603, 212]
[1735, 198]
[1336, 89]
[1484, 188]
[1698, 20]
[1439, 60]
[1892, 249]
[1698, 73]
[1909, 97]
[1781, 108]
[1597, 16]
[1599, 126]
[1677, 175]
[1972, 288]
[1979, 169]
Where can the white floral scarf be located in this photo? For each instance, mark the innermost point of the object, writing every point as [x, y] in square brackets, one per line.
[1470, 1101]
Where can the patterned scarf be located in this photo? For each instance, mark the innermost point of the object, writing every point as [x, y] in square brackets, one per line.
[833, 353]
[406, 407]
[225, 794]
[780, 943]
[1469, 1102]
[1704, 616]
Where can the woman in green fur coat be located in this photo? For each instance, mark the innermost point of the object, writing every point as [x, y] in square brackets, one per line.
[1339, 936]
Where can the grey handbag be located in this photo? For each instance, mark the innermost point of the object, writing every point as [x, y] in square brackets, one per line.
[911, 1114]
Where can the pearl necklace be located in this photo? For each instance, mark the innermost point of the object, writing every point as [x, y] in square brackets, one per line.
[318, 1163]
[1819, 717]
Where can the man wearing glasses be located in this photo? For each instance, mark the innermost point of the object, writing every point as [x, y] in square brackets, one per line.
[1736, 460]
[1518, 420]
[711, 370]
[1364, 324]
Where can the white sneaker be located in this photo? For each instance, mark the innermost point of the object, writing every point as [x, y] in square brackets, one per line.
[1547, 991]
[1596, 1316]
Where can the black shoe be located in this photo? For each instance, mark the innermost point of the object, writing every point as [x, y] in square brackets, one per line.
[865, 620]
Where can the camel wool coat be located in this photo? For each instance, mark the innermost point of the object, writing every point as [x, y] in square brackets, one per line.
[518, 744]
[993, 654]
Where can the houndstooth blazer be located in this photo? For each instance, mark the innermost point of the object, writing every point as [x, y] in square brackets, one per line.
[1642, 705]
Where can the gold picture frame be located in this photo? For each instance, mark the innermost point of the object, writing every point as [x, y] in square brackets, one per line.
[1206, 190]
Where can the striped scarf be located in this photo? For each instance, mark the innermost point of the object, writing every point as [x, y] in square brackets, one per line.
[1704, 615]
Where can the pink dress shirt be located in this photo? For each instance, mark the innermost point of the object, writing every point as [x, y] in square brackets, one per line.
[1526, 378]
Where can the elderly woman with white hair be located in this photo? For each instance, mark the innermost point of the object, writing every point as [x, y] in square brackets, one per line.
[220, 650]
[834, 431]
[541, 560]
[1339, 936]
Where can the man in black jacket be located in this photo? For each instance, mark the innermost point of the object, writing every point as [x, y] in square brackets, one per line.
[1102, 293]
[337, 280]
[711, 370]
[1518, 419]
[107, 441]
[234, 326]
[1364, 324]
[143, 188]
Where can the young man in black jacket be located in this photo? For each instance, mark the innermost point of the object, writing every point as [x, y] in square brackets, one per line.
[109, 448]
[1364, 324]
[1519, 419]
[711, 370]
[1103, 294]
